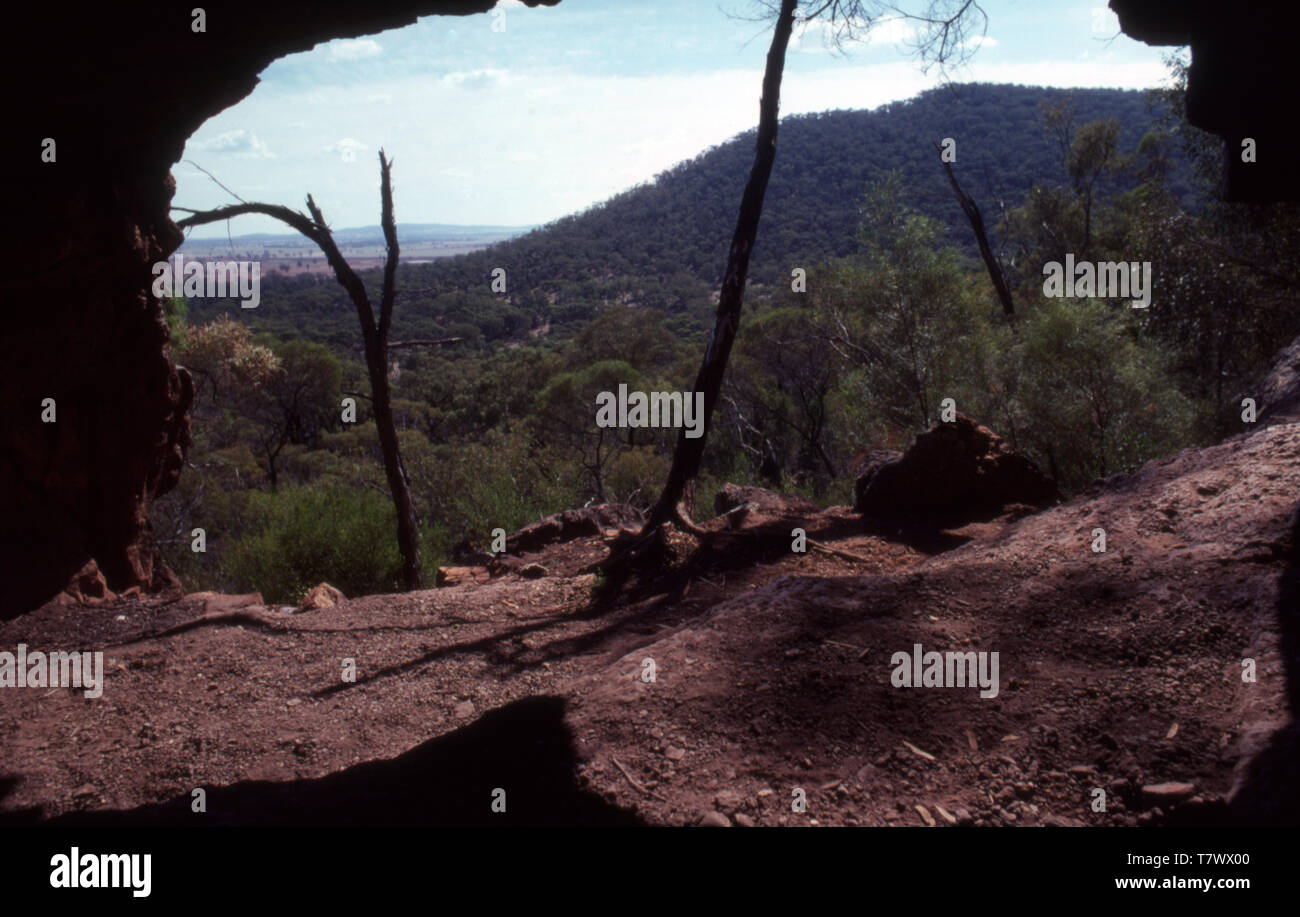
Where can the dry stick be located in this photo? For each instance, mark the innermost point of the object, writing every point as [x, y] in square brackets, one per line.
[837, 553]
[219, 184]
[972, 212]
[394, 345]
[630, 779]
[684, 523]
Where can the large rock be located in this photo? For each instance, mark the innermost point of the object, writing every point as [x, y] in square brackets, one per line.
[1278, 394]
[955, 472]
[323, 596]
[86, 587]
[867, 464]
[1236, 47]
[575, 523]
[223, 603]
[459, 576]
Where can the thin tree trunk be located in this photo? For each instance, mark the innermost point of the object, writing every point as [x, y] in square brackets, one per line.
[407, 531]
[270, 470]
[689, 452]
[972, 212]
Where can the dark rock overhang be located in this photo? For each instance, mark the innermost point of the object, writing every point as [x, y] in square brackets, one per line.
[1241, 78]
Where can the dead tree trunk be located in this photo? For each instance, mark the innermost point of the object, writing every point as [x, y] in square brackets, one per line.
[972, 211]
[374, 336]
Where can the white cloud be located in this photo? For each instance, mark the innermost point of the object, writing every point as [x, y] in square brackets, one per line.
[348, 149]
[819, 36]
[893, 31]
[476, 79]
[347, 49]
[1097, 73]
[240, 143]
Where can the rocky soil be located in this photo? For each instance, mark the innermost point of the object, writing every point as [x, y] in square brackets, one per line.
[1119, 671]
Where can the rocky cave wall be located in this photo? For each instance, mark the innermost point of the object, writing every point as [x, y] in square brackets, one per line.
[1240, 83]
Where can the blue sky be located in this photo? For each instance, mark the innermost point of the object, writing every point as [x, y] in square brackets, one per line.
[568, 105]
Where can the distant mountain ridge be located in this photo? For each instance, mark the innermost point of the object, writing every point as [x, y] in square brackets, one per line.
[373, 235]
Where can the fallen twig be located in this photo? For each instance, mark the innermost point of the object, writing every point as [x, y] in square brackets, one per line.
[630, 779]
[838, 553]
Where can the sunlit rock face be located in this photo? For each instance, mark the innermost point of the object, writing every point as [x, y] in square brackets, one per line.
[119, 89]
[1242, 66]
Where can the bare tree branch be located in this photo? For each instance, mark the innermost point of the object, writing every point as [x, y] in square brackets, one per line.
[946, 29]
[374, 335]
[390, 263]
[432, 342]
[972, 211]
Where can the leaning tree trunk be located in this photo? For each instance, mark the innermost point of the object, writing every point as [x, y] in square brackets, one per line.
[690, 452]
[972, 211]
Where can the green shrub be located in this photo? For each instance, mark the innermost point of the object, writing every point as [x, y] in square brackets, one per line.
[300, 537]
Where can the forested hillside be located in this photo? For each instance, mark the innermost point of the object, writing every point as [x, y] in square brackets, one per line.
[663, 244]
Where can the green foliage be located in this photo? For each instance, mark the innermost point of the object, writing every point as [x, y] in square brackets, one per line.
[636, 475]
[566, 415]
[900, 310]
[1094, 398]
[176, 313]
[636, 337]
[776, 401]
[466, 490]
[298, 537]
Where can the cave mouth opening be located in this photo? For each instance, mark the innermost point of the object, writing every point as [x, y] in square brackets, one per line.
[78, 488]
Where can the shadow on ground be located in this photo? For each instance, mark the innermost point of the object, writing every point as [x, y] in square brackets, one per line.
[524, 748]
[1268, 791]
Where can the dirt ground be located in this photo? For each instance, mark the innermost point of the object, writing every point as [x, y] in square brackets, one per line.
[772, 681]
